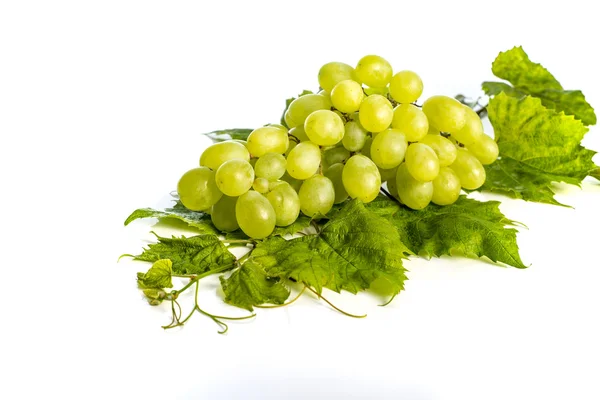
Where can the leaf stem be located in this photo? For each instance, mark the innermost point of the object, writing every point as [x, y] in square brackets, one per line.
[333, 306]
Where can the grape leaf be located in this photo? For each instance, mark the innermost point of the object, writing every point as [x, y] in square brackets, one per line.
[191, 255]
[249, 285]
[300, 224]
[287, 104]
[229, 134]
[354, 248]
[468, 227]
[196, 219]
[529, 78]
[595, 173]
[158, 276]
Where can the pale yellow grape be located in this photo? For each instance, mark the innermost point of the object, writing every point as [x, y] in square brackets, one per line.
[293, 182]
[334, 173]
[218, 153]
[446, 187]
[468, 169]
[198, 190]
[347, 95]
[303, 161]
[355, 136]
[334, 155]
[303, 106]
[485, 149]
[472, 131]
[388, 174]
[255, 215]
[361, 178]
[324, 127]
[285, 202]
[406, 87]
[388, 148]
[445, 113]
[412, 193]
[422, 162]
[375, 113]
[299, 133]
[410, 120]
[444, 148]
[332, 73]
[316, 196]
[235, 177]
[271, 166]
[223, 214]
[374, 71]
[261, 185]
[268, 139]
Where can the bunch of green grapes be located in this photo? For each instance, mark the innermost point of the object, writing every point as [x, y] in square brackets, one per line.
[364, 128]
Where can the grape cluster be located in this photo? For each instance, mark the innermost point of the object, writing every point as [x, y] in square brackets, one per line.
[362, 129]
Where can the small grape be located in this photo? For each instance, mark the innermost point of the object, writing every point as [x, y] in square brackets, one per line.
[334, 155]
[355, 136]
[361, 178]
[285, 202]
[223, 214]
[261, 185]
[445, 113]
[411, 121]
[198, 190]
[412, 193]
[332, 73]
[406, 87]
[334, 173]
[304, 160]
[255, 215]
[444, 148]
[324, 127]
[446, 187]
[316, 196]
[388, 148]
[468, 169]
[374, 71]
[485, 149]
[235, 177]
[268, 139]
[218, 153]
[376, 113]
[271, 166]
[347, 95]
[299, 133]
[422, 162]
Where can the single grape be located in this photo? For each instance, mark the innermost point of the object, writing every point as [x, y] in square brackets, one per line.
[412, 193]
[472, 131]
[422, 162]
[303, 106]
[255, 215]
[468, 169]
[271, 166]
[332, 73]
[376, 113]
[411, 121]
[374, 71]
[406, 87]
[334, 155]
[299, 133]
[316, 196]
[261, 185]
[446, 187]
[366, 150]
[485, 149]
[285, 202]
[268, 139]
[445, 113]
[223, 214]
[218, 153]
[334, 173]
[355, 136]
[347, 95]
[361, 178]
[388, 148]
[303, 162]
[324, 127]
[198, 190]
[235, 177]
[388, 174]
[444, 148]
[293, 182]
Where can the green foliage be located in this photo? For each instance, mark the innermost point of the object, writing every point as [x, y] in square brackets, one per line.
[229, 134]
[158, 276]
[195, 219]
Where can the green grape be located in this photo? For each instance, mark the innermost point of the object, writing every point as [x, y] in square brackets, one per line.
[316, 196]
[268, 139]
[433, 130]
[293, 182]
[299, 133]
[388, 174]
[374, 71]
[334, 155]
[444, 148]
[303, 106]
[261, 185]
[446, 187]
[472, 131]
[223, 214]
[291, 147]
[198, 190]
[347, 95]
[422, 162]
[366, 150]
[274, 184]
[324, 127]
[235, 177]
[304, 160]
[381, 91]
[271, 166]
[392, 186]
[445, 113]
[412, 193]
[485, 149]
[411, 121]
[218, 153]
[376, 113]
[255, 215]
[361, 178]
[388, 148]
[324, 93]
[406, 87]
[332, 73]
[285, 202]
[468, 169]
[355, 136]
[334, 173]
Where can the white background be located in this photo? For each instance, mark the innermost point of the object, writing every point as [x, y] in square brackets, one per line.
[101, 107]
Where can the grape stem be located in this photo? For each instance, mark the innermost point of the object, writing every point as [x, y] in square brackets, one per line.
[331, 304]
[388, 194]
